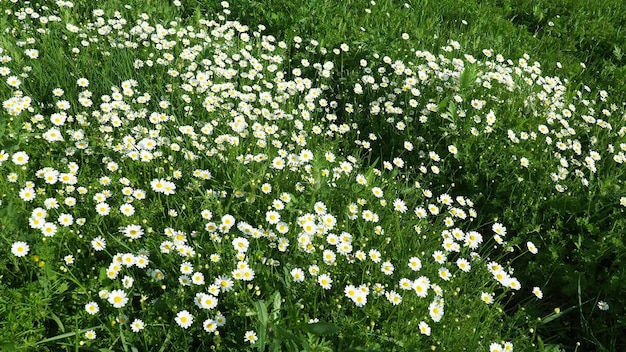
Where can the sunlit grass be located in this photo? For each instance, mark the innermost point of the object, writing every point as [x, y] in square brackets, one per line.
[175, 179]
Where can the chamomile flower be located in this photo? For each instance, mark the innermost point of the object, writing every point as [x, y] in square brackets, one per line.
[444, 274]
[240, 244]
[463, 264]
[65, 220]
[98, 244]
[197, 278]
[421, 286]
[377, 192]
[27, 194]
[90, 335]
[435, 310]
[184, 319]
[486, 297]
[209, 325]
[424, 328]
[495, 347]
[20, 249]
[393, 297]
[69, 259]
[387, 268]
[374, 255]
[82, 82]
[399, 206]
[325, 281]
[48, 229]
[127, 209]
[439, 257]
[499, 229]
[92, 308]
[602, 305]
[137, 325]
[250, 337]
[118, 298]
[103, 209]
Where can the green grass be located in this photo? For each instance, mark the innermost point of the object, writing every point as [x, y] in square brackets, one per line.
[306, 142]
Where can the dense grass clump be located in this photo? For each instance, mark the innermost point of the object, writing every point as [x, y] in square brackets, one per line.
[190, 176]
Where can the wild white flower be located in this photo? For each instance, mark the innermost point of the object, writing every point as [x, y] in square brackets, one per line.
[184, 319]
[20, 158]
[20, 249]
[297, 274]
[137, 325]
[92, 308]
[602, 305]
[325, 281]
[424, 328]
[118, 298]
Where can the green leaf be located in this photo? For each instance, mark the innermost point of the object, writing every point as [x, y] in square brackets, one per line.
[261, 310]
[553, 316]
[58, 321]
[540, 344]
[278, 300]
[321, 328]
[102, 275]
[66, 335]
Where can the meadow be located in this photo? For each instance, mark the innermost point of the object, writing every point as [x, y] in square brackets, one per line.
[312, 176]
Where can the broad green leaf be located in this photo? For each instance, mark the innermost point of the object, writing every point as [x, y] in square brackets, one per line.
[321, 328]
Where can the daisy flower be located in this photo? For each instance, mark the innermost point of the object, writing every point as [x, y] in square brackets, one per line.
[20, 249]
[421, 286]
[424, 328]
[374, 255]
[486, 297]
[393, 297]
[495, 347]
[297, 274]
[184, 319]
[499, 229]
[209, 325]
[127, 209]
[602, 305]
[103, 209]
[98, 244]
[435, 310]
[20, 158]
[387, 268]
[250, 337]
[49, 229]
[439, 257]
[399, 206]
[240, 244]
[27, 194]
[118, 298]
[92, 308]
[463, 264]
[65, 220]
[137, 325]
[69, 259]
[90, 335]
[132, 231]
[445, 274]
[325, 281]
